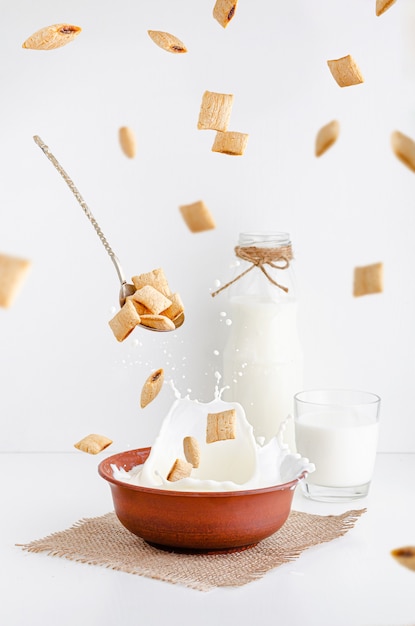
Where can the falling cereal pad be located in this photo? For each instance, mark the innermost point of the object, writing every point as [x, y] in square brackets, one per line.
[230, 142]
[224, 11]
[326, 137]
[13, 272]
[345, 71]
[167, 42]
[404, 149]
[152, 387]
[197, 216]
[221, 426]
[215, 111]
[191, 450]
[383, 5]
[127, 141]
[93, 444]
[180, 469]
[368, 279]
[405, 556]
[52, 37]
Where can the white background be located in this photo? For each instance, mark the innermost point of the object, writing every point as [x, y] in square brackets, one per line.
[62, 373]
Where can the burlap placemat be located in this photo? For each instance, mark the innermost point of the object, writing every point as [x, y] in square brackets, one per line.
[104, 541]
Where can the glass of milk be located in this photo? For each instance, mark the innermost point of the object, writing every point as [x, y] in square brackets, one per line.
[337, 430]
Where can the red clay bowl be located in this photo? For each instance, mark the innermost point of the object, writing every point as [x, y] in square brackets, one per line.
[190, 521]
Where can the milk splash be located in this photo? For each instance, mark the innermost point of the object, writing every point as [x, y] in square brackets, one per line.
[230, 465]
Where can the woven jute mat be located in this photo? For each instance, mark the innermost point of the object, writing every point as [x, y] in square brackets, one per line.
[104, 541]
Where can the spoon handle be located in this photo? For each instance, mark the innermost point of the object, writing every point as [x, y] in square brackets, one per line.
[83, 204]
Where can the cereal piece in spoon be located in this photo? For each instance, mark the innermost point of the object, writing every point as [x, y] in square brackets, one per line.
[158, 322]
[152, 387]
[175, 309]
[156, 278]
[124, 321]
[345, 71]
[152, 299]
[52, 37]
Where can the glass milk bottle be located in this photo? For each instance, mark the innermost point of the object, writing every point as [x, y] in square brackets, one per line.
[262, 358]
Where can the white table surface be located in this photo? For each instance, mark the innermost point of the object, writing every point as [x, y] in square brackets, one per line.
[350, 581]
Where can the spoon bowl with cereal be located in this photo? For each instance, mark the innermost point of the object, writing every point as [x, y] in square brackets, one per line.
[147, 301]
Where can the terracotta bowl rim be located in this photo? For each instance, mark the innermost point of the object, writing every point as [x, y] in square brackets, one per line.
[104, 473]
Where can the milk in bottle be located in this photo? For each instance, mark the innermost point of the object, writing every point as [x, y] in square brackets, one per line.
[262, 358]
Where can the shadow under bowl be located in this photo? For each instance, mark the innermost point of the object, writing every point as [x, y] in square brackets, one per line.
[193, 522]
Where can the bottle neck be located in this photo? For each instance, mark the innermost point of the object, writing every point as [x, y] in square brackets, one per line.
[264, 239]
[265, 265]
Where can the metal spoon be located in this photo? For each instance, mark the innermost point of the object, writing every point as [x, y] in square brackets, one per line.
[126, 289]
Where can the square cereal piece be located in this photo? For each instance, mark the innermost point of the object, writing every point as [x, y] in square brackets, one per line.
[215, 111]
[158, 322]
[345, 71]
[197, 216]
[175, 309]
[92, 444]
[368, 279]
[13, 272]
[404, 149]
[181, 469]
[156, 278]
[224, 11]
[140, 308]
[230, 142]
[152, 299]
[124, 322]
[221, 426]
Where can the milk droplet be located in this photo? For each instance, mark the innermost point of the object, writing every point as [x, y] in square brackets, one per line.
[216, 283]
[228, 322]
[236, 263]
[222, 314]
[216, 352]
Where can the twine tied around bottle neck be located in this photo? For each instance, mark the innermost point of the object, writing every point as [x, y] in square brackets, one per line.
[277, 258]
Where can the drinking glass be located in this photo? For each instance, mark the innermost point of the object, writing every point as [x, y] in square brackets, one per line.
[337, 430]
